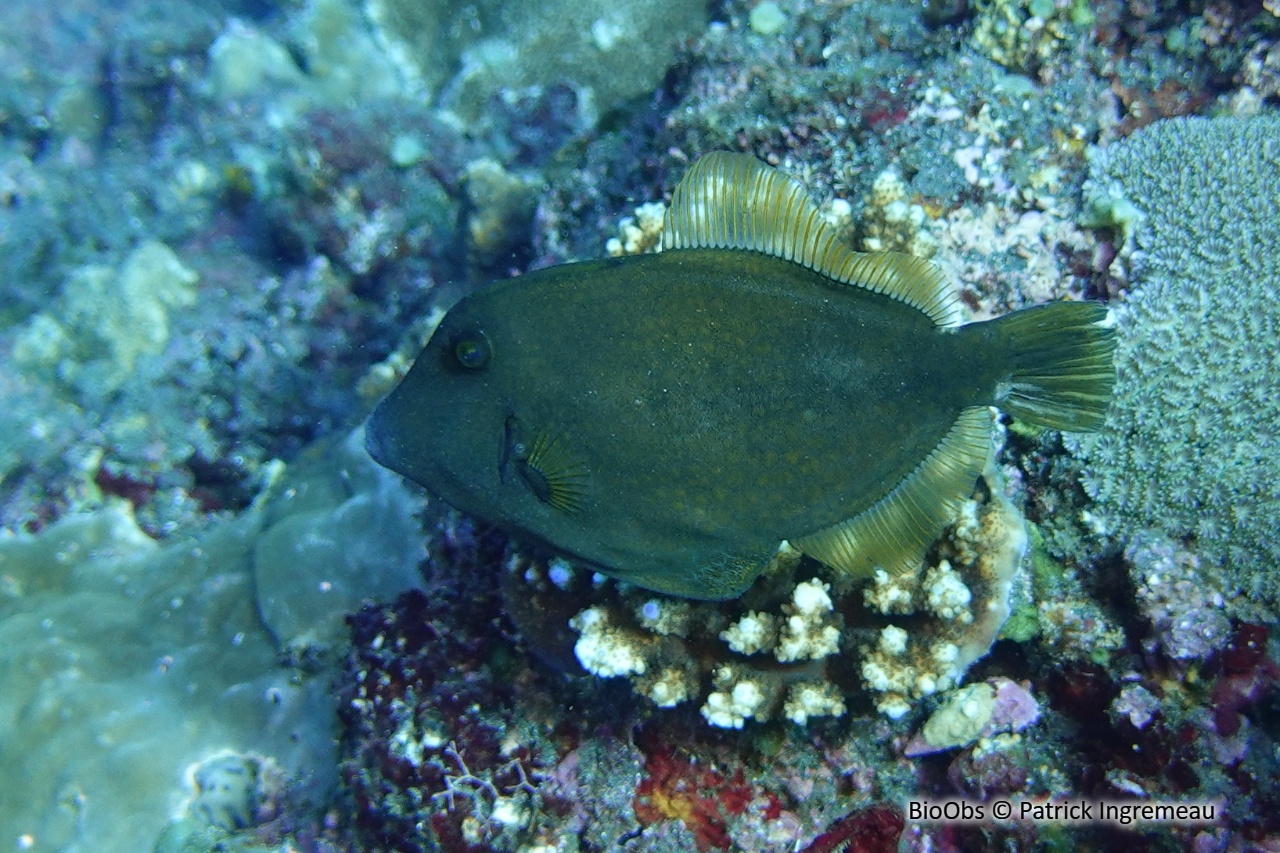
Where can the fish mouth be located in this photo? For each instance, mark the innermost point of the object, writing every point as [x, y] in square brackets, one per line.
[510, 447]
[375, 441]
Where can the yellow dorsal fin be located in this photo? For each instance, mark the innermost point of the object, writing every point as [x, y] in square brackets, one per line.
[733, 201]
[894, 533]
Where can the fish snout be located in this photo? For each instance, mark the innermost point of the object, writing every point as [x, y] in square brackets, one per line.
[375, 440]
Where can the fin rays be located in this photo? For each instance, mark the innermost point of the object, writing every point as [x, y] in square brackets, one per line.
[556, 477]
[733, 201]
[1062, 357]
[895, 532]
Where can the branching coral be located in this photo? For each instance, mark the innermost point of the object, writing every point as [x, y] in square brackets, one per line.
[782, 650]
[985, 546]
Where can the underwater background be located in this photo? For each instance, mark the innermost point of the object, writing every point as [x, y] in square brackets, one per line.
[226, 229]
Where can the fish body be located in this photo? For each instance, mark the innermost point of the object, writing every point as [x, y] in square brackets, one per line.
[671, 418]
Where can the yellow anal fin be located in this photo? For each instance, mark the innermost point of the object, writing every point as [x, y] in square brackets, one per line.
[895, 532]
[734, 201]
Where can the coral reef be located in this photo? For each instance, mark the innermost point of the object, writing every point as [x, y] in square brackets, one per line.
[1189, 444]
[227, 226]
[607, 53]
[774, 645]
[280, 207]
[1024, 35]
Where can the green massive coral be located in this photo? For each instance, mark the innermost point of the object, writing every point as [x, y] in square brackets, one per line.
[1191, 447]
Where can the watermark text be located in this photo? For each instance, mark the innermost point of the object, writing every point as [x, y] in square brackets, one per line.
[1065, 811]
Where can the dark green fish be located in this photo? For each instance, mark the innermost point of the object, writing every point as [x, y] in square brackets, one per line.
[671, 418]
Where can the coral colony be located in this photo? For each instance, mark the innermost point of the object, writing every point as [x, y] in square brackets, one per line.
[227, 229]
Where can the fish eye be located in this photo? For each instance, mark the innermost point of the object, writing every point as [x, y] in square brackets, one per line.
[471, 351]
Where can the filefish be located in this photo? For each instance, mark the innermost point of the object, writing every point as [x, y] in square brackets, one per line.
[670, 419]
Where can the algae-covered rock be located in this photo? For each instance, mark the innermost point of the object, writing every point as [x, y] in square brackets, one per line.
[500, 209]
[107, 318]
[459, 57]
[608, 51]
[244, 60]
[347, 58]
[125, 664]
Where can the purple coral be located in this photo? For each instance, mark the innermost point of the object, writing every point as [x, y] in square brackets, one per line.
[1176, 593]
[1015, 707]
[1137, 704]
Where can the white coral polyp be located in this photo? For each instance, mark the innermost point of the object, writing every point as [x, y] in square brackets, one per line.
[602, 649]
[730, 709]
[811, 598]
[813, 700]
[752, 633]
[946, 594]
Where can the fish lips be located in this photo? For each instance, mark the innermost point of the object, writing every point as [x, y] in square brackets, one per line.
[473, 491]
[376, 441]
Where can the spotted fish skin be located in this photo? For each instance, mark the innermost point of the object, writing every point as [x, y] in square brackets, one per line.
[671, 418]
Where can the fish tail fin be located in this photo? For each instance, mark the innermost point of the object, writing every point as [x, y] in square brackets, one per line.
[1062, 364]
